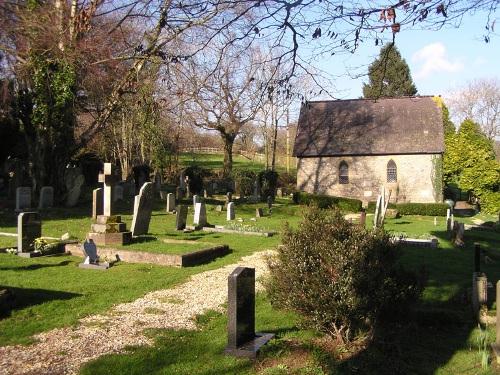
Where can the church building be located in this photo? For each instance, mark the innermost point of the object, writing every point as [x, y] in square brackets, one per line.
[351, 148]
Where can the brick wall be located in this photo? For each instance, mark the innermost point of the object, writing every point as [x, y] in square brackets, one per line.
[415, 177]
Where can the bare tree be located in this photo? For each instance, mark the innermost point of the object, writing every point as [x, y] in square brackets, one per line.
[479, 101]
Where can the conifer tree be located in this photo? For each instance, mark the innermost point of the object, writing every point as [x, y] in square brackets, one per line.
[389, 76]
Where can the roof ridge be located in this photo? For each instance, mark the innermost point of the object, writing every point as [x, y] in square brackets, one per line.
[370, 99]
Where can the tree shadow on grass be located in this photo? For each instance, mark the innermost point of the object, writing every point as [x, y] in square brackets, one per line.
[34, 267]
[142, 239]
[26, 297]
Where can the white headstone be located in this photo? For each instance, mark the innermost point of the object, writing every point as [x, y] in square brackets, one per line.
[23, 198]
[196, 199]
[230, 211]
[170, 202]
[46, 197]
[143, 206]
[108, 179]
[200, 214]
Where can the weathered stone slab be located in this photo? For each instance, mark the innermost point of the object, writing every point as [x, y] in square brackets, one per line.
[46, 197]
[97, 203]
[242, 339]
[200, 215]
[181, 217]
[170, 202]
[230, 211]
[29, 227]
[23, 198]
[143, 206]
[104, 239]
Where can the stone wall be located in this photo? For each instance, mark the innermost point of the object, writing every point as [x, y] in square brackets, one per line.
[416, 177]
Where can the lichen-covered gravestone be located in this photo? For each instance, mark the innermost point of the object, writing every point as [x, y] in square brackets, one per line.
[29, 228]
[181, 217]
[91, 258]
[242, 341]
[46, 197]
[23, 198]
[200, 215]
[143, 206]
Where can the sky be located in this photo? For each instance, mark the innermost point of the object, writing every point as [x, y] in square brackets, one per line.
[440, 61]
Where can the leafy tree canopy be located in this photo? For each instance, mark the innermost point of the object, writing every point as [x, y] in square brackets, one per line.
[389, 76]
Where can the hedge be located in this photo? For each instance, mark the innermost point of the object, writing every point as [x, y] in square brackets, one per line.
[424, 209]
[326, 201]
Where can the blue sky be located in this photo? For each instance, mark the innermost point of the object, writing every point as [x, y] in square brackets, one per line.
[440, 61]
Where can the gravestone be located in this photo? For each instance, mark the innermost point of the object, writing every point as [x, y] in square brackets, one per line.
[23, 198]
[143, 206]
[479, 292]
[458, 234]
[230, 211]
[279, 192]
[448, 220]
[259, 212]
[91, 258]
[97, 202]
[170, 203]
[75, 191]
[29, 228]
[46, 197]
[376, 218]
[219, 208]
[242, 341]
[362, 219]
[196, 199]
[205, 193]
[181, 217]
[200, 215]
[117, 193]
[108, 229]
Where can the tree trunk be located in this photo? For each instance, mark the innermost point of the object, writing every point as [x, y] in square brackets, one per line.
[228, 154]
[275, 136]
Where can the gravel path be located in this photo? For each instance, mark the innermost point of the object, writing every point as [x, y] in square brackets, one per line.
[64, 350]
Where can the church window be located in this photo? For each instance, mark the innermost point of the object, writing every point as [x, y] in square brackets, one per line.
[343, 173]
[392, 171]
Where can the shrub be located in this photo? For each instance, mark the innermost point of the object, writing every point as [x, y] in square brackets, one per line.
[287, 181]
[339, 277]
[244, 181]
[490, 202]
[424, 209]
[326, 201]
[268, 182]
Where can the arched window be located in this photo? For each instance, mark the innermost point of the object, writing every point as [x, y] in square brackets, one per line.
[343, 173]
[392, 171]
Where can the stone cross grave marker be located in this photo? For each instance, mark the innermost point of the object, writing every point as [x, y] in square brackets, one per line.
[29, 227]
[200, 215]
[230, 211]
[170, 202]
[23, 198]
[181, 217]
[108, 179]
[242, 341]
[143, 206]
[91, 258]
[97, 202]
[46, 197]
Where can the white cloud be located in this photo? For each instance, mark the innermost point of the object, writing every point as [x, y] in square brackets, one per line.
[432, 59]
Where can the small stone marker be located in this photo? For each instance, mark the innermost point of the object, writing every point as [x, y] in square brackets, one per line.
[143, 206]
[200, 215]
[117, 193]
[46, 197]
[92, 259]
[97, 202]
[23, 198]
[75, 191]
[230, 211]
[170, 202]
[496, 345]
[279, 193]
[218, 208]
[29, 228]
[259, 212]
[242, 341]
[362, 219]
[181, 217]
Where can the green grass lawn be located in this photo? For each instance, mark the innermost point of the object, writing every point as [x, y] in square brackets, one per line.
[439, 337]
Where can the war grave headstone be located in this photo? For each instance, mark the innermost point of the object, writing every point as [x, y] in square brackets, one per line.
[23, 198]
[108, 228]
[170, 203]
[97, 203]
[242, 340]
[181, 217]
[230, 211]
[29, 228]
[91, 258]
[259, 212]
[143, 206]
[200, 215]
[46, 197]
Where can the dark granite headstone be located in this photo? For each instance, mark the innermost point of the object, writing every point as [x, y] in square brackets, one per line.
[29, 228]
[92, 259]
[242, 339]
[181, 217]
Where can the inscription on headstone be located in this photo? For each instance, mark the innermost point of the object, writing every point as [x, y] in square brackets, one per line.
[242, 339]
[143, 206]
